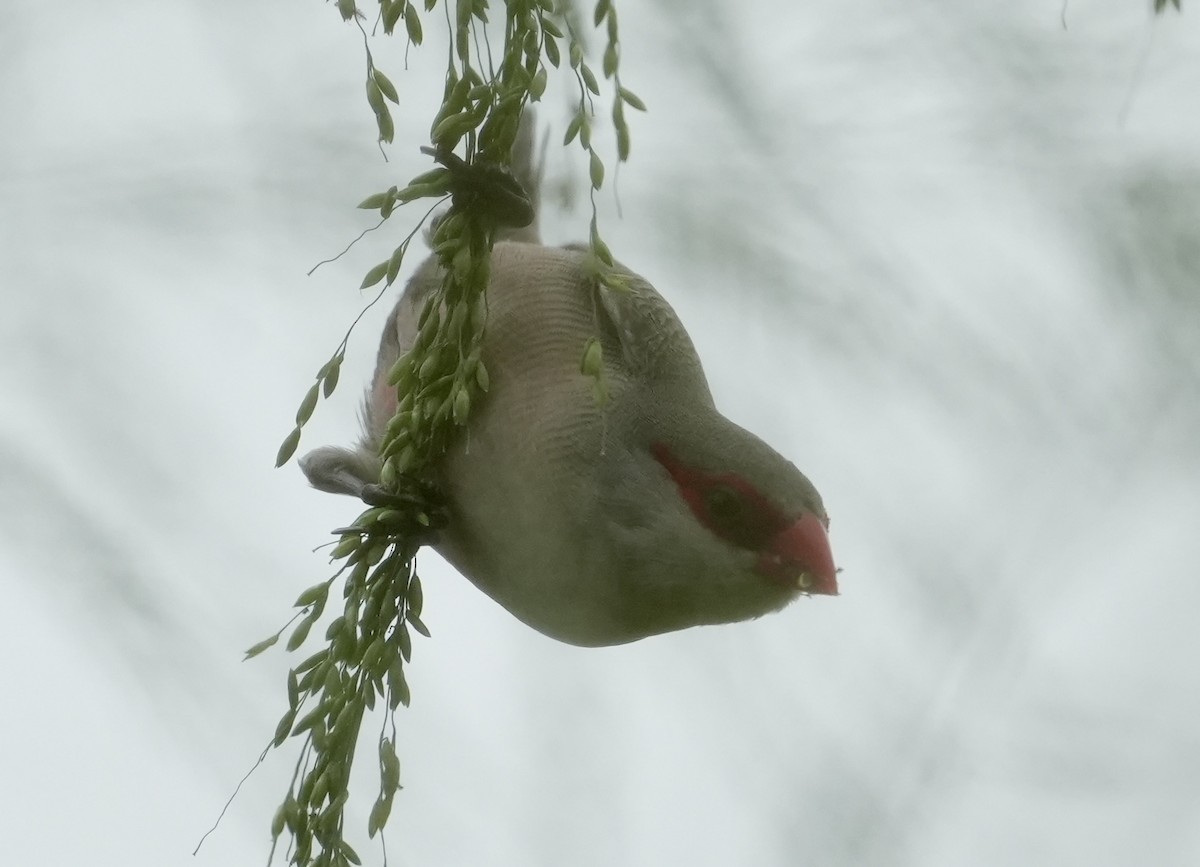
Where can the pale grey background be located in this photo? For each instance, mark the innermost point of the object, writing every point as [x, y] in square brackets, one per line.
[945, 256]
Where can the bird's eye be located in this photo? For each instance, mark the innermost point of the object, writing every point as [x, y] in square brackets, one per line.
[724, 504]
[734, 516]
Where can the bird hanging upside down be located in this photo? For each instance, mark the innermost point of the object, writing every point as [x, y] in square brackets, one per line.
[598, 523]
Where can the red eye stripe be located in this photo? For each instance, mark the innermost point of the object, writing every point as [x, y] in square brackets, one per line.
[758, 520]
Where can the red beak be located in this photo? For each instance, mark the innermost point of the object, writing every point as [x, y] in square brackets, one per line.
[800, 555]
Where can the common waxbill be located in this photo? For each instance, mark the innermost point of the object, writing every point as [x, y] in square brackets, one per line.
[598, 524]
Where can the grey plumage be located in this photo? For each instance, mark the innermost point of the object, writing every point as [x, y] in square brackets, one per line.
[559, 508]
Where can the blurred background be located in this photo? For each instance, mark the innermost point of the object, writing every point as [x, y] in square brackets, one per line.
[944, 256]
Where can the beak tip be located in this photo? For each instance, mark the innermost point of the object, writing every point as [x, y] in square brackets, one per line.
[813, 540]
[800, 558]
[818, 582]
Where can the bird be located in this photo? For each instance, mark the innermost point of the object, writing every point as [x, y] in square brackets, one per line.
[597, 522]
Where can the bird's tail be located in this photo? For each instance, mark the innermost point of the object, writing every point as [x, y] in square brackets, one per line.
[528, 166]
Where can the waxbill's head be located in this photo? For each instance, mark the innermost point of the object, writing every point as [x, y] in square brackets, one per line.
[709, 523]
[759, 504]
[599, 523]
